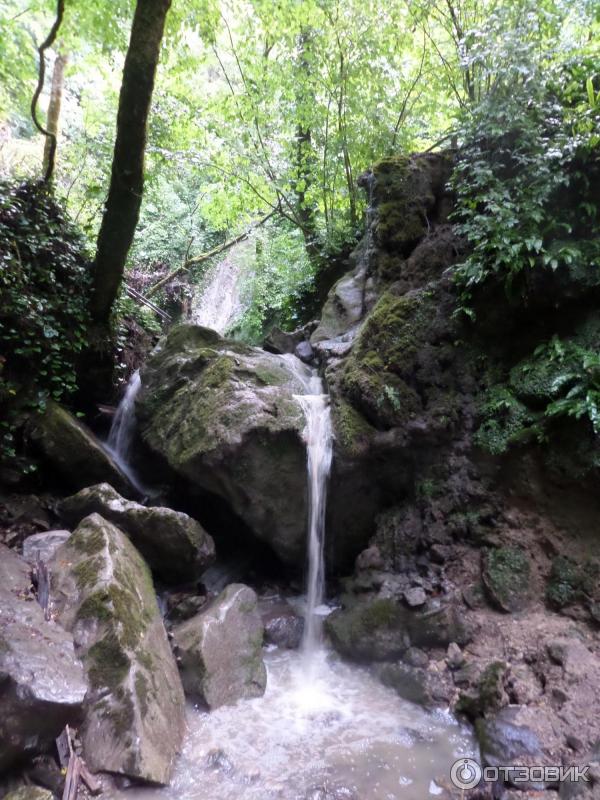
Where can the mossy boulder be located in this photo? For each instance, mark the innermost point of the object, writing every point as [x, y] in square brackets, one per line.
[102, 591]
[74, 452]
[176, 547]
[380, 629]
[220, 649]
[42, 681]
[506, 576]
[225, 418]
[570, 582]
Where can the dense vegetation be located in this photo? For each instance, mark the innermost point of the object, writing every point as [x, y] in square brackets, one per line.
[264, 116]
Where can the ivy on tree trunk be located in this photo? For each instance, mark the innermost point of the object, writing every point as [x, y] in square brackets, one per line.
[127, 178]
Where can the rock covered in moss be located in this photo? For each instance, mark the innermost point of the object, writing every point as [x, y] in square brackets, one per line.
[224, 417]
[42, 681]
[102, 591]
[506, 574]
[381, 629]
[220, 649]
[176, 547]
[73, 450]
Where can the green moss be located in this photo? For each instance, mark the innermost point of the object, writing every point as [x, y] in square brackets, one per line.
[218, 372]
[88, 539]
[378, 374]
[108, 663]
[351, 428]
[571, 583]
[489, 694]
[506, 576]
[96, 606]
[87, 572]
[505, 421]
[381, 613]
[271, 374]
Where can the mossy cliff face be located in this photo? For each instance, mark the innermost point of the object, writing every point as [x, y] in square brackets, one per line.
[224, 417]
[102, 591]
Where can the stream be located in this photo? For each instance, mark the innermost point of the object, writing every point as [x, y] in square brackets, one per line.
[325, 729]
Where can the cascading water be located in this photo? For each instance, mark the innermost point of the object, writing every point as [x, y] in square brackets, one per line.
[318, 436]
[120, 437]
[323, 728]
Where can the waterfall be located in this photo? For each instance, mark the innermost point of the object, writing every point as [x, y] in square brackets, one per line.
[120, 437]
[219, 305]
[318, 435]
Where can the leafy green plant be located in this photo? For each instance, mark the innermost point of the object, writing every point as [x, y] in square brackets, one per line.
[530, 142]
[44, 285]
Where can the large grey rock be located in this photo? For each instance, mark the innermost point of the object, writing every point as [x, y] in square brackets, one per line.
[42, 683]
[224, 416]
[42, 546]
[176, 547]
[283, 626]
[220, 649]
[102, 591]
[73, 450]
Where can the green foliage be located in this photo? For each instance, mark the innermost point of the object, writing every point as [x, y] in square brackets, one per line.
[277, 276]
[44, 285]
[526, 175]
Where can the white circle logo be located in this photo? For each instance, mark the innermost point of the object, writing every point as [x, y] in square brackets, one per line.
[465, 773]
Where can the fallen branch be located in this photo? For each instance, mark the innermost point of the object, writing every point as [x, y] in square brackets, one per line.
[191, 262]
[48, 41]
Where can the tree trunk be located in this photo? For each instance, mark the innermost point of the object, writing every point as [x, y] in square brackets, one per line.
[122, 207]
[53, 116]
[305, 154]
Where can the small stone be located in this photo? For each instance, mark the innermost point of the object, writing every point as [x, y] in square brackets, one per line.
[416, 657]
[440, 553]
[415, 597]
[370, 558]
[304, 352]
[455, 657]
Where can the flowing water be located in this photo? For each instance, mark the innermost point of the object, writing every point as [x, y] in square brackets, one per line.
[324, 730]
[120, 437]
[219, 304]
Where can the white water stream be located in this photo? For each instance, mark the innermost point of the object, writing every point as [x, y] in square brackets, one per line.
[325, 729]
[120, 436]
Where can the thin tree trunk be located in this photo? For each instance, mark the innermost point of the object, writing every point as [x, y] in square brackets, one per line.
[122, 207]
[53, 116]
[48, 42]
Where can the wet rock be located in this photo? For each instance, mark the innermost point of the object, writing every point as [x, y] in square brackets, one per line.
[224, 417]
[369, 559]
[42, 546]
[102, 591]
[283, 626]
[408, 682]
[506, 576]
[184, 605]
[503, 741]
[29, 793]
[280, 342]
[176, 547]
[304, 352]
[374, 630]
[42, 681]
[220, 650]
[73, 450]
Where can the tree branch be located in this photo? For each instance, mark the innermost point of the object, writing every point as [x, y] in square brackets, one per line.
[191, 262]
